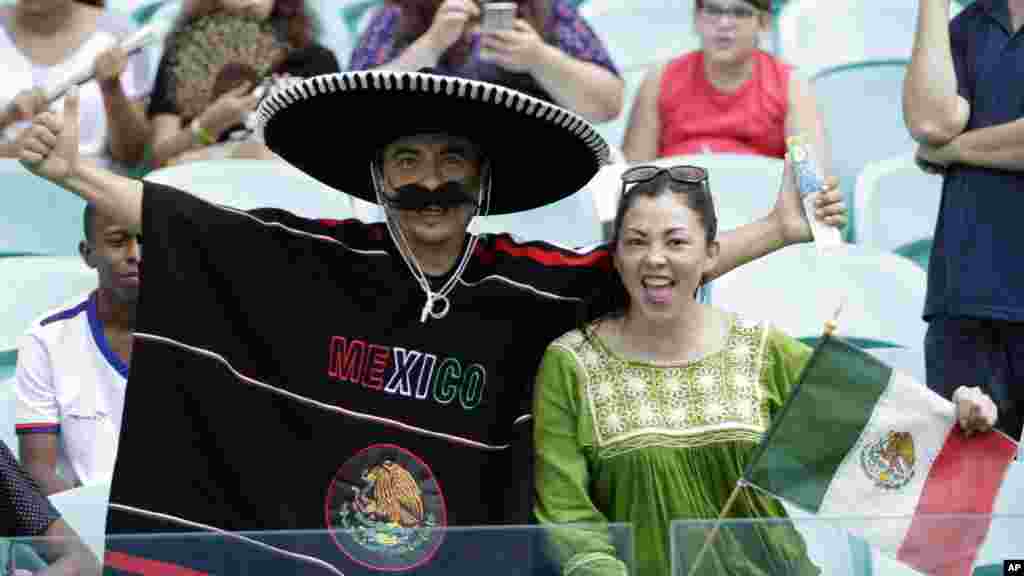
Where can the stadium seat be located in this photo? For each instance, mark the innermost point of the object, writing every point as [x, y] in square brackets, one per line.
[249, 184]
[796, 290]
[856, 31]
[36, 217]
[919, 252]
[35, 285]
[85, 510]
[571, 222]
[874, 131]
[897, 203]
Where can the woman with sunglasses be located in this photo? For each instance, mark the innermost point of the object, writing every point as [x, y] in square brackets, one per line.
[649, 413]
[727, 97]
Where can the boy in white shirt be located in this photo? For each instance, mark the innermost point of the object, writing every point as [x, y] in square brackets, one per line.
[73, 367]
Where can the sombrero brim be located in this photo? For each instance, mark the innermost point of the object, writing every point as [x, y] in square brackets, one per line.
[539, 153]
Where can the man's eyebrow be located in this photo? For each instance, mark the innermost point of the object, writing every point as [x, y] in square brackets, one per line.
[403, 150]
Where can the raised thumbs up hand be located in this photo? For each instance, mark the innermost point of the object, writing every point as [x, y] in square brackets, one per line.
[49, 147]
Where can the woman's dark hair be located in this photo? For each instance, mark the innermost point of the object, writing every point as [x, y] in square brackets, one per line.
[417, 16]
[610, 298]
[296, 21]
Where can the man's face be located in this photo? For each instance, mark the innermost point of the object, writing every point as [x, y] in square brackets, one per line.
[115, 253]
[430, 161]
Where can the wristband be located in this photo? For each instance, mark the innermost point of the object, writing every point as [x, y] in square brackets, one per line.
[201, 134]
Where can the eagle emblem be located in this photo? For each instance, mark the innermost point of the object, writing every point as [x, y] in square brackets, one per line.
[889, 461]
[385, 509]
[391, 495]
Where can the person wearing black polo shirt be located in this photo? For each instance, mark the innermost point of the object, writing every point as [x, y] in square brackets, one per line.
[963, 102]
[26, 513]
[367, 380]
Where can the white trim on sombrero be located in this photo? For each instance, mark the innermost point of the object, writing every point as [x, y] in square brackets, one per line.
[316, 403]
[391, 80]
[234, 535]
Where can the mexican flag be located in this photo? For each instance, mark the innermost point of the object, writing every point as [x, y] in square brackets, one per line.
[859, 439]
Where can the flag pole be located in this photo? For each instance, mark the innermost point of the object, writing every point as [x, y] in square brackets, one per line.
[833, 323]
[718, 524]
[830, 328]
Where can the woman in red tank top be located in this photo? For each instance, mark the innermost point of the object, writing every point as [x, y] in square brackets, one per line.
[727, 97]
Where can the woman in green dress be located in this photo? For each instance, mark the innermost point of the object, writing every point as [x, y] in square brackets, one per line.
[650, 414]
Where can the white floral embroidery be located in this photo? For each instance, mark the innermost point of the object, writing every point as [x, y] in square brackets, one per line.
[605, 391]
[744, 387]
[647, 415]
[714, 411]
[707, 379]
[742, 351]
[677, 416]
[745, 410]
[613, 423]
[630, 402]
[674, 388]
[635, 387]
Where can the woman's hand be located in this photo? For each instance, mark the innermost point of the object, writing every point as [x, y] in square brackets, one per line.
[795, 226]
[975, 410]
[450, 22]
[229, 110]
[517, 49]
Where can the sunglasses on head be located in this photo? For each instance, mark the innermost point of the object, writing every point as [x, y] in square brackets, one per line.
[683, 174]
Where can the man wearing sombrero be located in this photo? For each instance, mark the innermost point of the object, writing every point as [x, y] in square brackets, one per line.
[367, 378]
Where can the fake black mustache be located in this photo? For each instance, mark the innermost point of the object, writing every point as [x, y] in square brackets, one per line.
[417, 197]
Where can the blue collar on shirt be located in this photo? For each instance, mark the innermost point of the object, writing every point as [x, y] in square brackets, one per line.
[998, 10]
[96, 325]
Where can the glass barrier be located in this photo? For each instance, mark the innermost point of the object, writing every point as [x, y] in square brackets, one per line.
[955, 545]
[872, 546]
[384, 548]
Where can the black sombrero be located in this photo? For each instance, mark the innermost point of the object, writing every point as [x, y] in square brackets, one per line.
[539, 152]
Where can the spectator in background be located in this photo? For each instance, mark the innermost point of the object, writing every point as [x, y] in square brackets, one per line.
[728, 97]
[26, 513]
[181, 134]
[72, 367]
[41, 42]
[551, 53]
[962, 104]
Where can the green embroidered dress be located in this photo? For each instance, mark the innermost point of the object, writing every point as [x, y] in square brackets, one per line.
[624, 441]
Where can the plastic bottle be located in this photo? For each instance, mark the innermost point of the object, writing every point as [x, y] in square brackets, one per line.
[810, 181]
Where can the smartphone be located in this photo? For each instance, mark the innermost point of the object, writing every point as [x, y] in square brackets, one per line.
[496, 16]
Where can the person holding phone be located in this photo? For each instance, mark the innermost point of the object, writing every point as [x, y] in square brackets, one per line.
[549, 51]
